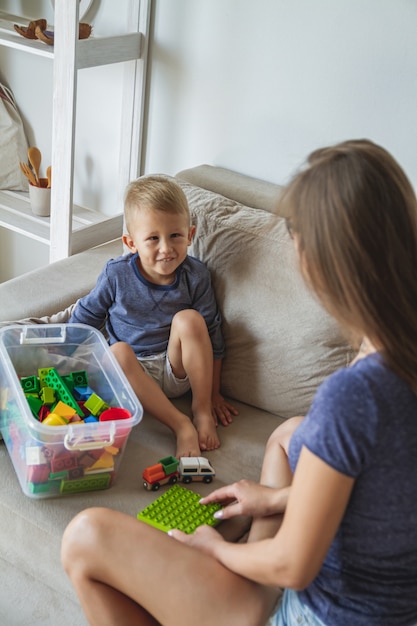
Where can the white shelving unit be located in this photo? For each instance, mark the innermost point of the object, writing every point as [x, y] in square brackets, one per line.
[71, 228]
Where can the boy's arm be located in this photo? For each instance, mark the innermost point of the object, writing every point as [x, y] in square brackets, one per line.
[92, 308]
[222, 409]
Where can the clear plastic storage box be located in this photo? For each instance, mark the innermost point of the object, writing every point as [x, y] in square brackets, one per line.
[66, 408]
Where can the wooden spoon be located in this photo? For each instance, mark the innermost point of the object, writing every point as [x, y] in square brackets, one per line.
[29, 174]
[49, 176]
[35, 157]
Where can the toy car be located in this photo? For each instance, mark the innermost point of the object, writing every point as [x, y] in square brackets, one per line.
[169, 471]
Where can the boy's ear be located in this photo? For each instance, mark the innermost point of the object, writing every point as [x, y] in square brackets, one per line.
[191, 234]
[128, 242]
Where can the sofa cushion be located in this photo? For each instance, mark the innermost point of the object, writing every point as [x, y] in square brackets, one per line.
[280, 343]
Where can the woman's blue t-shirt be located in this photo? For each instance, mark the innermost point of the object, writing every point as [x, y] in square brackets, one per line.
[363, 423]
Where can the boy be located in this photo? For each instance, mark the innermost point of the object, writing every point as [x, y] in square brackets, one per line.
[163, 322]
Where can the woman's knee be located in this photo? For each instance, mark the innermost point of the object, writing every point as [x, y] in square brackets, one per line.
[82, 537]
[282, 434]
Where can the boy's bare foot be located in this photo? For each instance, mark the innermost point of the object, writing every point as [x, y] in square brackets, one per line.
[207, 432]
[187, 441]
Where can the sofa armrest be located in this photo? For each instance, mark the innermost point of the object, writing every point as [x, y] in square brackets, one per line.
[51, 289]
[246, 190]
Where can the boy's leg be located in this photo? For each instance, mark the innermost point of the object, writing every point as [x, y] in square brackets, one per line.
[275, 473]
[155, 402]
[191, 354]
[126, 572]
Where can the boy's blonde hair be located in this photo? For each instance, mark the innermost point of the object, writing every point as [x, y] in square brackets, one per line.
[154, 192]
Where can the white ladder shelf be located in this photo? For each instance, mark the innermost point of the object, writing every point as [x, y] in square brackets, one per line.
[71, 228]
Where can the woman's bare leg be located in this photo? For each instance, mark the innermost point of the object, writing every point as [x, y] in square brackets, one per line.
[126, 572]
[191, 354]
[155, 402]
[275, 473]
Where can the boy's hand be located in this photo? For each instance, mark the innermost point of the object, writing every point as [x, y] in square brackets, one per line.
[248, 498]
[223, 411]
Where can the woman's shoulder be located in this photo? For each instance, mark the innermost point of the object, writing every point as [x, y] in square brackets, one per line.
[362, 367]
[356, 383]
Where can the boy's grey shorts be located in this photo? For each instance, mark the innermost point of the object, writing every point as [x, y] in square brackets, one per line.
[159, 368]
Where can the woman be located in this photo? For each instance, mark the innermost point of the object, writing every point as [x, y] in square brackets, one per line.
[345, 551]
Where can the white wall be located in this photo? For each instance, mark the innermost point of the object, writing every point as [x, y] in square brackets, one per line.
[255, 86]
[98, 121]
[252, 86]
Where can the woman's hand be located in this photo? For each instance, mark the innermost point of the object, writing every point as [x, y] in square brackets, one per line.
[204, 538]
[248, 498]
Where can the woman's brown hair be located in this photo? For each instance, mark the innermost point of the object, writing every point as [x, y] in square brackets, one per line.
[354, 215]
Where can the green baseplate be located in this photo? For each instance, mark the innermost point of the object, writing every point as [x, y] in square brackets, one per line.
[179, 508]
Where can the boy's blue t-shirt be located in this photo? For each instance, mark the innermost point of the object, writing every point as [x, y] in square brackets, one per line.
[363, 423]
[140, 312]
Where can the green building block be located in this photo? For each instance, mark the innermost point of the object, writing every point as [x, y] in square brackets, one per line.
[95, 404]
[42, 373]
[47, 395]
[88, 483]
[179, 508]
[51, 378]
[58, 475]
[39, 487]
[30, 384]
[34, 404]
[79, 378]
[69, 382]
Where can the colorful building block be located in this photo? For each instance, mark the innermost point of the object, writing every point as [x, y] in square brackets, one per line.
[52, 379]
[64, 410]
[44, 411]
[79, 378]
[53, 419]
[30, 384]
[89, 419]
[42, 373]
[35, 404]
[87, 458]
[35, 455]
[95, 404]
[38, 473]
[47, 395]
[105, 461]
[68, 381]
[39, 488]
[87, 483]
[63, 462]
[179, 508]
[82, 393]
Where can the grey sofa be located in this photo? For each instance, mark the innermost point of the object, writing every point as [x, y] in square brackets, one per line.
[280, 346]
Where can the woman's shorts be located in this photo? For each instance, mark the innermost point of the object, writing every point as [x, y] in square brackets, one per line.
[291, 612]
[159, 368]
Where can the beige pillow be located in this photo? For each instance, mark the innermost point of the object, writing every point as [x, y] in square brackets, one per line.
[280, 343]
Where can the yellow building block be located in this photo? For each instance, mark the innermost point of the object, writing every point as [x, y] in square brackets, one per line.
[64, 410]
[104, 462]
[55, 420]
[112, 450]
